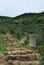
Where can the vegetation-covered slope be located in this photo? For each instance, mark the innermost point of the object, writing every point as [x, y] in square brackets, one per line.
[22, 25]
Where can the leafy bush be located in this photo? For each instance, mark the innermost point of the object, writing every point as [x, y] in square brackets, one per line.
[40, 50]
[2, 45]
[41, 59]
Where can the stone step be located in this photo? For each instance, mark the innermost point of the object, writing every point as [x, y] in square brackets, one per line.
[27, 57]
[23, 57]
[10, 44]
[18, 52]
[13, 47]
[3, 62]
[13, 44]
[22, 51]
[9, 41]
[16, 49]
[26, 63]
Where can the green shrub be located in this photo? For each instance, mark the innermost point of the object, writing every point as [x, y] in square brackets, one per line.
[2, 45]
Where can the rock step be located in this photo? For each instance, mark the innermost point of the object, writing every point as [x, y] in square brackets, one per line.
[3, 62]
[25, 55]
[22, 54]
[17, 49]
[13, 47]
[22, 51]
[10, 62]
[11, 44]
[25, 62]
[19, 52]
[8, 41]
[22, 57]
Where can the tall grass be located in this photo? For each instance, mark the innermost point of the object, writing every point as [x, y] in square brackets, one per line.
[2, 45]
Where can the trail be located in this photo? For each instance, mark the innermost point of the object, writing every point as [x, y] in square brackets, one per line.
[18, 55]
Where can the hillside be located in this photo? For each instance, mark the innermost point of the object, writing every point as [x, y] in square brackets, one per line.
[23, 25]
[22, 39]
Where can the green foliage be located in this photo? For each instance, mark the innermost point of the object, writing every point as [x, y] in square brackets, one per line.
[27, 23]
[7, 58]
[41, 59]
[26, 40]
[2, 45]
[21, 26]
[28, 47]
[1, 35]
[40, 50]
[18, 63]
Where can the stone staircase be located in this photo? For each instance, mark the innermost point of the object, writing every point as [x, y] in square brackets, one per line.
[18, 55]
